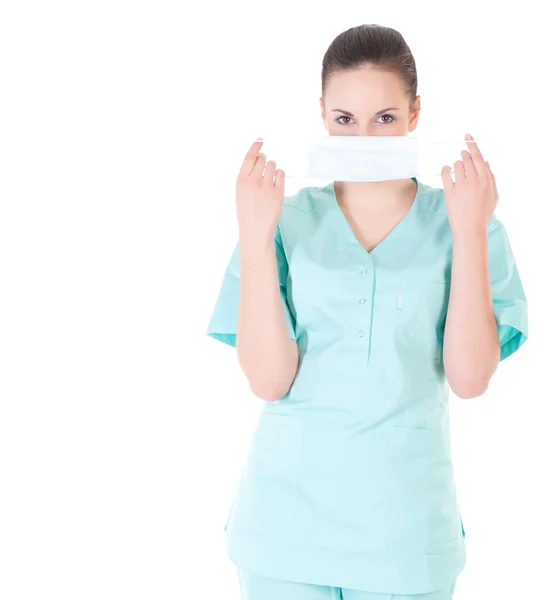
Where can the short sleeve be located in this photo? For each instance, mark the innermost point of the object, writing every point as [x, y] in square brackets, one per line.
[508, 297]
[224, 319]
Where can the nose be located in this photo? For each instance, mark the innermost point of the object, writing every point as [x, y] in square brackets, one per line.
[366, 130]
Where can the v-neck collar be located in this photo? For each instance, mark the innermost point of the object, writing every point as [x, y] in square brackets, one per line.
[415, 213]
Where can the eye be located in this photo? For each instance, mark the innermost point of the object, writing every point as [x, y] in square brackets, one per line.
[392, 118]
[339, 120]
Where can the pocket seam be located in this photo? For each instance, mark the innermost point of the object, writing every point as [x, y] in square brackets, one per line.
[412, 280]
[396, 426]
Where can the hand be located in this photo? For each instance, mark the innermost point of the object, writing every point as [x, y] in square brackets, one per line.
[471, 201]
[259, 200]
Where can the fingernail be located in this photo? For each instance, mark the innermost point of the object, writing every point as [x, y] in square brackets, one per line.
[468, 137]
[260, 139]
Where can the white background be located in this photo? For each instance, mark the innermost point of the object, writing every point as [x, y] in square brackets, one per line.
[123, 428]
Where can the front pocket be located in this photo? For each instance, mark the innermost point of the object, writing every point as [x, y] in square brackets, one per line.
[423, 491]
[421, 308]
[266, 499]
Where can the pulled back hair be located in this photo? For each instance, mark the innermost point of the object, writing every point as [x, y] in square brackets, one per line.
[375, 45]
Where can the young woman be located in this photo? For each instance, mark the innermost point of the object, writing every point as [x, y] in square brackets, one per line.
[353, 307]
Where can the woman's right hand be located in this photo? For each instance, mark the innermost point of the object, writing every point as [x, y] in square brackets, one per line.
[259, 200]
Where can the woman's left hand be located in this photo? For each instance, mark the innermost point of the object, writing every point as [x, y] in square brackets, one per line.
[471, 201]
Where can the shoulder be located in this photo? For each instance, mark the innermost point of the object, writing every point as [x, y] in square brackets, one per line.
[433, 200]
[298, 209]
[304, 200]
[299, 218]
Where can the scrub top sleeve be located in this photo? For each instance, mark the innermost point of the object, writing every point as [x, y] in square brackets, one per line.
[224, 319]
[508, 297]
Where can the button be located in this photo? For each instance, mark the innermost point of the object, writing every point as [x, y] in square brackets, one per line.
[360, 333]
[362, 300]
[364, 271]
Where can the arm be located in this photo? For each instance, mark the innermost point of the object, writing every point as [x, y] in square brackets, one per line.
[267, 355]
[252, 312]
[471, 342]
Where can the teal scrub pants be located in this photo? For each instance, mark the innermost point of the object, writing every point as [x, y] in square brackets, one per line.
[254, 587]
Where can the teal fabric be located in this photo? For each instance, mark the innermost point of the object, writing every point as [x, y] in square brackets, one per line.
[349, 478]
[256, 587]
[223, 324]
[509, 302]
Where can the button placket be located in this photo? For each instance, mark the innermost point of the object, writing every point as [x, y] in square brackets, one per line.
[362, 301]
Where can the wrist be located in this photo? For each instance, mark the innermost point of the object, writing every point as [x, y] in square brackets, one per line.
[474, 233]
[253, 245]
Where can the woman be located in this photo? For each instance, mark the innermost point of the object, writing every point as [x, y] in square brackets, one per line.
[353, 308]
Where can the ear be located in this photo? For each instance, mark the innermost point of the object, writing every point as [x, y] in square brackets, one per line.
[322, 107]
[414, 115]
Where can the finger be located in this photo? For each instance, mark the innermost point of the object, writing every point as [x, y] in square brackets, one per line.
[493, 181]
[459, 171]
[469, 167]
[280, 180]
[250, 158]
[447, 182]
[478, 160]
[259, 166]
[270, 171]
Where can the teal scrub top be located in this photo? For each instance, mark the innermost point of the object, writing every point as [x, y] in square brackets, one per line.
[349, 479]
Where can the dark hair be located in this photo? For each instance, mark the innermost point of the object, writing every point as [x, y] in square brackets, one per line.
[375, 45]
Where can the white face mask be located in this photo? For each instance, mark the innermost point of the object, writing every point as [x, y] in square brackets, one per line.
[370, 158]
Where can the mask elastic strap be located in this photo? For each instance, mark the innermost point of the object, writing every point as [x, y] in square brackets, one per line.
[327, 178]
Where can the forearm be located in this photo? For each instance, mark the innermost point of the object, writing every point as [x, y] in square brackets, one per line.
[267, 354]
[471, 345]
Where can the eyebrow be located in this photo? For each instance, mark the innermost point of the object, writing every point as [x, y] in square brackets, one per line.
[376, 114]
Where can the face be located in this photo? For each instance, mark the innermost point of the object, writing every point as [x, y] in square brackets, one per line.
[367, 102]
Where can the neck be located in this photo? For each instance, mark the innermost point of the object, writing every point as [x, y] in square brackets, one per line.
[353, 195]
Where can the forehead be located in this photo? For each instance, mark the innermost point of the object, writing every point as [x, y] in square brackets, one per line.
[364, 89]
